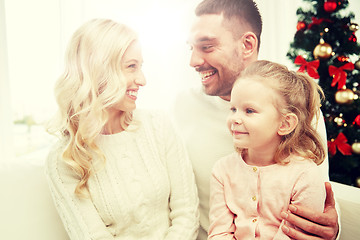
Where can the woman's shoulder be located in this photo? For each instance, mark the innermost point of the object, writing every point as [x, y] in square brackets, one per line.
[54, 163]
[56, 150]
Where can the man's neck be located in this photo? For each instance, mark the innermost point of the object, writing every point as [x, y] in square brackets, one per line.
[226, 98]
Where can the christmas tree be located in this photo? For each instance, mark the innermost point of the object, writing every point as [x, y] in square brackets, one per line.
[325, 46]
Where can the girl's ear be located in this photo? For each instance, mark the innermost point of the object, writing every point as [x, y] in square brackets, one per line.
[288, 124]
[249, 44]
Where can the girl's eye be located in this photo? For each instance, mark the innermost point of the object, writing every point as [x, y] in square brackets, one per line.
[233, 110]
[249, 110]
[132, 66]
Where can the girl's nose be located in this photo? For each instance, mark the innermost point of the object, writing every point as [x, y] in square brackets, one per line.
[237, 121]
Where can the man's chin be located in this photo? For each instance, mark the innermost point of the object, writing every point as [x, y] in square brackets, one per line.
[213, 92]
[209, 91]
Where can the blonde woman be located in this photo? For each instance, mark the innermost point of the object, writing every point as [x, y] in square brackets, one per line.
[116, 172]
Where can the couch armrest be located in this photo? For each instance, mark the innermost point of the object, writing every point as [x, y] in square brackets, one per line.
[26, 207]
[348, 199]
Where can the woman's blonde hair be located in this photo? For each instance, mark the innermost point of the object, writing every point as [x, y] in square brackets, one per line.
[91, 83]
[302, 96]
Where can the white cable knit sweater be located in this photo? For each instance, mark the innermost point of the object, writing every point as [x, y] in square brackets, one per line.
[146, 190]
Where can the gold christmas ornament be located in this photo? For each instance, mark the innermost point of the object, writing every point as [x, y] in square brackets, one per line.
[339, 121]
[344, 96]
[357, 64]
[355, 147]
[323, 50]
[353, 27]
[358, 182]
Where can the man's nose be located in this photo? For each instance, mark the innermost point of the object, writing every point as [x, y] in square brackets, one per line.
[196, 59]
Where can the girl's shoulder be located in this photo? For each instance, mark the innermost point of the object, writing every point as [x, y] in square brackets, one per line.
[228, 161]
[299, 161]
[302, 165]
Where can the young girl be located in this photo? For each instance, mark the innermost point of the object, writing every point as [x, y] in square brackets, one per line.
[277, 152]
[116, 172]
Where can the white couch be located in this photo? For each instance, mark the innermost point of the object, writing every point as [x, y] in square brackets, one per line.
[348, 199]
[26, 207]
[27, 210]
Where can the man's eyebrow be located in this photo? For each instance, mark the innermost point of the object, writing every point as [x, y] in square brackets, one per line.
[206, 39]
[203, 39]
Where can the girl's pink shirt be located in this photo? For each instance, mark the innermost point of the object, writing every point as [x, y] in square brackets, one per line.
[246, 201]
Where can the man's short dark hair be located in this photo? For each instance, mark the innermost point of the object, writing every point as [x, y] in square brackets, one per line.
[242, 10]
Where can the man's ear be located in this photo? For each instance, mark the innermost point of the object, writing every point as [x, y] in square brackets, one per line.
[288, 124]
[249, 44]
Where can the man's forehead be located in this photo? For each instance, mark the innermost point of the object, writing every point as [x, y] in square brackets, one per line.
[205, 28]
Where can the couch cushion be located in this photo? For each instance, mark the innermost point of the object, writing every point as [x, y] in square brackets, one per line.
[26, 207]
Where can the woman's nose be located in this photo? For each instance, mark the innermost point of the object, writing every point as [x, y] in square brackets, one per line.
[140, 80]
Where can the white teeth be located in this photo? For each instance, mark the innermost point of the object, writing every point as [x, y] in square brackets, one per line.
[207, 74]
[131, 93]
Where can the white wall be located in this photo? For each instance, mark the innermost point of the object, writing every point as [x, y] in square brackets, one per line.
[6, 143]
[38, 31]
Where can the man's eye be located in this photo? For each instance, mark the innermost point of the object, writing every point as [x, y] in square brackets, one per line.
[206, 47]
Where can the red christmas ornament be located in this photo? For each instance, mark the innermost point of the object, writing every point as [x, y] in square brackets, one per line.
[318, 21]
[310, 67]
[352, 38]
[330, 6]
[339, 74]
[341, 144]
[357, 120]
[301, 26]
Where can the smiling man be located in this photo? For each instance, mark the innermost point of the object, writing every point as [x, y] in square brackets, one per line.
[218, 53]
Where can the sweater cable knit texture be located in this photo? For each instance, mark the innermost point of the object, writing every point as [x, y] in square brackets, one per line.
[145, 190]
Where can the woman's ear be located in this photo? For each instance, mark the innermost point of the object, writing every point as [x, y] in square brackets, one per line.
[249, 44]
[288, 124]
